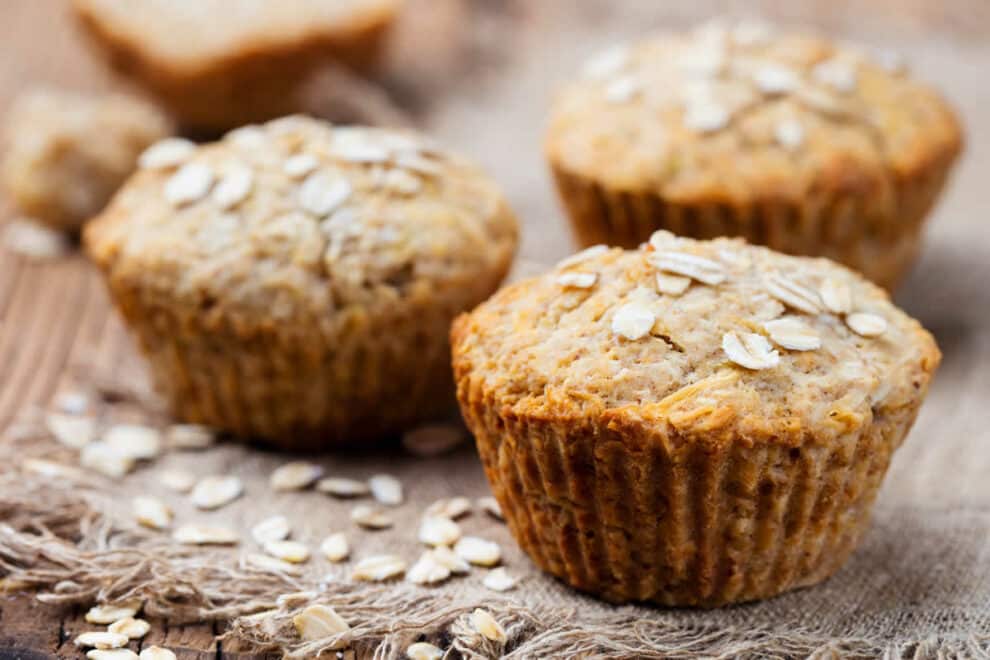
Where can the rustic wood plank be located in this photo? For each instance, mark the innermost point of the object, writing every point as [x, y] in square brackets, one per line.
[30, 629]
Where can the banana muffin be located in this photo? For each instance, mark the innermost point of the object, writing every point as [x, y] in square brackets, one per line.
[66, 153]
[296, 281]
[736, 129]
[218, 64]
[691, 423]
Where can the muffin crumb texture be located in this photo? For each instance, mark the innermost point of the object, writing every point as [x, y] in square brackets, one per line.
[787, 139]
[715, 443]
[67, 153]
[296, 281]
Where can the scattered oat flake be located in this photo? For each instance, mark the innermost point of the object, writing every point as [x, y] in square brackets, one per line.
[836, 295]
[487, 626]
[300, 165]
[793, 334]
[702, 269]
[890, 61]
[498, 579]
[633, 321]
[335, 547]
[444, 555]
[752, 32]
[297, 475]
[424, 651]
[106, 614]
[837, 74]
[427, 570]
[72, 403]
[296, 598]
[101, 640]
[583, 255]
[433, 439]
[190, 184]
[290, 551]
[152, 512]
[438, 530]
[672, 285]
[491, 506]
[379, 568]
[131, 627]
[234, 187]
[370, 517]
[134, 440]
[167, 153]
[250, 138]
[157, 653]
[607, 63]
[342, 487]
[268, 564]
[275, 528]
[478, 551]
[386, 489]
[360, 153]
[106, 460]
[317, 622]
[418, 164]
[70, 430]
[793, 294]
[577, 280]
[866, 324]
[789, 133]
[749, 350]
[403, 182]
[215, 491]
[450, 507]
[112, 654]
[178, 481]
[31, 240]
[53, 470]
[203, 535]
[190, 436]
[321, 194]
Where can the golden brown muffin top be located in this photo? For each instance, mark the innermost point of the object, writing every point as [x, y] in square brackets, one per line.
[184, 36]
[297, 217]
[741, 111]
[704, 336]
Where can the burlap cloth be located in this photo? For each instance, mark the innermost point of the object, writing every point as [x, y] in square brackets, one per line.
[918, 586]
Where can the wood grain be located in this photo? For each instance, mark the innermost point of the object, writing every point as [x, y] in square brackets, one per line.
[57, 329]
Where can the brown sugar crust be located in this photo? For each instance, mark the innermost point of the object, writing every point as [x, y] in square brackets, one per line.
[786, 139]
[658, 469]
[217, 66]
[315, 309]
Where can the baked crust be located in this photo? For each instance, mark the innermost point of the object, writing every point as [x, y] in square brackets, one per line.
[658, 469]
[216, 67]
[787, 139]
[314, 309]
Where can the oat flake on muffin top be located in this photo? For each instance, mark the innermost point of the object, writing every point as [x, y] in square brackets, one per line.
[699, 334]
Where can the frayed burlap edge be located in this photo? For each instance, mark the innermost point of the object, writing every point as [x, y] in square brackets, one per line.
[60, 545]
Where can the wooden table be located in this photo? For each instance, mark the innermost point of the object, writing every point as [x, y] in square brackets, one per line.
[54, 318]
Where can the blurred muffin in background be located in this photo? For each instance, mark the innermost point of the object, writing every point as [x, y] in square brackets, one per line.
[736, 129]
[217, 64]
[296, 281]
[65, 153]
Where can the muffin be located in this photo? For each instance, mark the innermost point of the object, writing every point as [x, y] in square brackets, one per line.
[66, 153]
[218, 64]
[785, 139]
[693, 423]
[296, 281]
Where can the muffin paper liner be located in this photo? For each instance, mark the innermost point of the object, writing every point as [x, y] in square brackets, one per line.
[877, 233]
[690, 520]
[373, 378]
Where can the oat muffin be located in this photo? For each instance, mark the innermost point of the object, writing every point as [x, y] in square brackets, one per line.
[296, 281]
[218, 64]
[65, 153]
[691, 423]
[786, 139]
